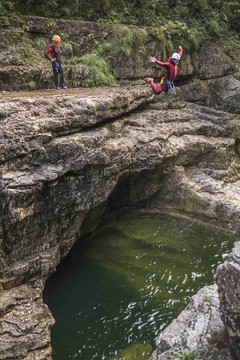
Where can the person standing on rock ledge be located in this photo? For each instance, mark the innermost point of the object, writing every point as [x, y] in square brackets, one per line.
[52, 53]
[167, 81]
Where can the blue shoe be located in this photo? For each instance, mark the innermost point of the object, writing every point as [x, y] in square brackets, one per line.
[64, 88]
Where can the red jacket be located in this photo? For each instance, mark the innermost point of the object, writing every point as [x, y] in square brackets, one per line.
[53, 52]
[172, 70]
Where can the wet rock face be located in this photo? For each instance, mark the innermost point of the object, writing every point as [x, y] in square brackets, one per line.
[56, 169]
[227, 279]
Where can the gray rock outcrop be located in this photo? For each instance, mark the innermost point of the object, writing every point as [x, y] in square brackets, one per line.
[25, 324]
[198, 328]
[65, 157]
[228, 281]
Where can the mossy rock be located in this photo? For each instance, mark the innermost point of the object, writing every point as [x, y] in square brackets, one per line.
[135, 352]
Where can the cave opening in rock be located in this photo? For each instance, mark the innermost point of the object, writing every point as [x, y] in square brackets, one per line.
[131, 275]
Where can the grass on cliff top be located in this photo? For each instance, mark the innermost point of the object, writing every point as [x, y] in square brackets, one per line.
[98, 71]
[130, 44]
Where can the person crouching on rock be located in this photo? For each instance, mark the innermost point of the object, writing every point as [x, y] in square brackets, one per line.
[167, 81]
[52, 53]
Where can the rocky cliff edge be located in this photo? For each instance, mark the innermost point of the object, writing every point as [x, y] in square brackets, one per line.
[64, 157]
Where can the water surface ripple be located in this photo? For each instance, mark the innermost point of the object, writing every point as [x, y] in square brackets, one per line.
[136, 275]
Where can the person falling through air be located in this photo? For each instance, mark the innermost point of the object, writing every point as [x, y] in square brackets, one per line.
[52, 53]
[171, 66]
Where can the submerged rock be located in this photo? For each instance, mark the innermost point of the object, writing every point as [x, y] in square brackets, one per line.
[135, 352]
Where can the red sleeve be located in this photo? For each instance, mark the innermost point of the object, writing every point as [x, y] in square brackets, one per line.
[160, 63]
[47, 52]
[180, 52]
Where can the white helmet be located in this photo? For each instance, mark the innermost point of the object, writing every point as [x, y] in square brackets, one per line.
[175, 56]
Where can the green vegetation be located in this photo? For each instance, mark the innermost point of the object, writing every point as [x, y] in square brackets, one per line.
[135, 352]
[176, 20]
[136, 29]
[40, 43]
[124, 42]
[99, 72]
[185, 354]
[32, 85]
[207, 298]
[214, 15]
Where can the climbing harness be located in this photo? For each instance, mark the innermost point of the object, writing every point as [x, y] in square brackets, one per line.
[57, 66]
[170, 85]
[171, 88]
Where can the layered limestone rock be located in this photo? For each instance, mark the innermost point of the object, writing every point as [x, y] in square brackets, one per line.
[58, 167]
[227, 278]
[65, 157]
[207, 187]
[25, 325]
[198, 330]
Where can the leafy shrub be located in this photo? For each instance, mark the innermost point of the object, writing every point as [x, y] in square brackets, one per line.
[40, 42]
[99, 72]
[32, 85]
[6, 7]
[185, 354]
[68, 48]
[124, 42]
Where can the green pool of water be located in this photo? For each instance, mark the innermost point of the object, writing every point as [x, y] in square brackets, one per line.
[131, 279]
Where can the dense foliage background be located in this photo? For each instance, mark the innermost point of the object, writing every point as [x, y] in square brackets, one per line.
[216, 16]
[132, 25]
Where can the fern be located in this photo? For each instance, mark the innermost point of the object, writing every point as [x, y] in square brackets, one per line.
[185, 354]
[40, 42]
[99, 72]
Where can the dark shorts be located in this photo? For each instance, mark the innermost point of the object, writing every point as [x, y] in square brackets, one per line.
[165, 86]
